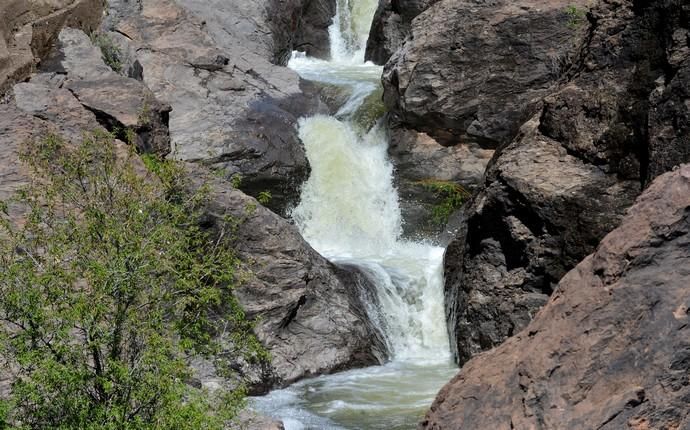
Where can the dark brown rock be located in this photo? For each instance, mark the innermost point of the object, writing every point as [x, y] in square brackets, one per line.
[478, 70]
[420, 162]
[611, 348]
[540, 212]
[568, 177]
[391, 26]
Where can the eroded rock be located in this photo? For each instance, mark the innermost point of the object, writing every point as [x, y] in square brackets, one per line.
[310, 314]
[478, 70]
[609, 350]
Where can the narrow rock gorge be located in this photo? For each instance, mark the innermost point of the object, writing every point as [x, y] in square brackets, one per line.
[494, 196]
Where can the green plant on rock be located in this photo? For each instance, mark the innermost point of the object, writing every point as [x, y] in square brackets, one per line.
[452, 196]
[106, 285]
[111, 53]
[576, 16]
[264, 197]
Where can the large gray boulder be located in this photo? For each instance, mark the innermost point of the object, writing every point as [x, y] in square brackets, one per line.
[309, 313]
[610, 349]
[232, 107]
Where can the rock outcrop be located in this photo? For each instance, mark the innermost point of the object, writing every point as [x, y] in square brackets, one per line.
[568, 176]
[308, 312]
[475, 71]
[310, 315]
[391, 26]
[232, 108]
[610, 350]
[28, 29]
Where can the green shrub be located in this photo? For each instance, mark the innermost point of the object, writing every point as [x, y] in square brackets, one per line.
[452, 196]
[106, 286]
[264, 197]
[575, 15]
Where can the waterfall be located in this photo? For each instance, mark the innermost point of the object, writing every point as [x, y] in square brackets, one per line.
[349, 212]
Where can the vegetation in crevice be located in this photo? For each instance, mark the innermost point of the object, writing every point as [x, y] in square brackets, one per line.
[106, 286]
[110, 52]
[450, 194]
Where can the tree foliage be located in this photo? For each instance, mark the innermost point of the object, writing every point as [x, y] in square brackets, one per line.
[108, 283]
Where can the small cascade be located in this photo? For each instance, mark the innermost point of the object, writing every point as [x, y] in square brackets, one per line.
[349, 212]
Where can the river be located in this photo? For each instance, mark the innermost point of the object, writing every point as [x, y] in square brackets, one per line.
[349, 212]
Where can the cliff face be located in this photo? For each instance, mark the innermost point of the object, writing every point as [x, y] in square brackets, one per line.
[610, 348]
[585, 103]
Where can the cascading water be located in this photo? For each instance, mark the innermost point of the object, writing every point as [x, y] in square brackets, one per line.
[349, 213]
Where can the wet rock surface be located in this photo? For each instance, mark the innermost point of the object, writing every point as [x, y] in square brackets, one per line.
[610, 348]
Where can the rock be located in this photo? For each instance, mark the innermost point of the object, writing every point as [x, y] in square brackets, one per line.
[610, 349]
[391, 26]
[122, 105]
[421, 162]
[248, 420]
[309, 312]
[669, 116]
[29, 28]
[237, 117]
[300, 25]
[477, 70]
[541, 211]
[567, 178]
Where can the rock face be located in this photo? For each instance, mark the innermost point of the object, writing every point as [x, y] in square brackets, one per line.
[310, 313]
[568, 176]
[232, 108]
[421, 166]
[391, 26]
[610, 350]
[28, 29]
[477, 70]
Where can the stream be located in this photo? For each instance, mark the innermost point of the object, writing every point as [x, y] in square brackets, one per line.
[349, 212]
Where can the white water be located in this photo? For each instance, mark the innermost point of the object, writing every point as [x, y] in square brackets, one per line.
[349, 213]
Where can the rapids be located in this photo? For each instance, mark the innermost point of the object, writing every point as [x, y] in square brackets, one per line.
[349, 212]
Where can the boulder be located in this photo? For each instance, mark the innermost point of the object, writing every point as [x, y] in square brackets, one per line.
[540, 211]
[309, 312]
[232, 108]
[609, 350]
[475, 70]
[391, 26]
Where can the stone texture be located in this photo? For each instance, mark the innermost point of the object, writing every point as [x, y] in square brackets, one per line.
[418, 160]
[391, 26]
[540, 212]
[610, 350]
[476, 70]
[29, 27]
[231, 107]
[570, 173]
[120, 103]
[310, 312]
